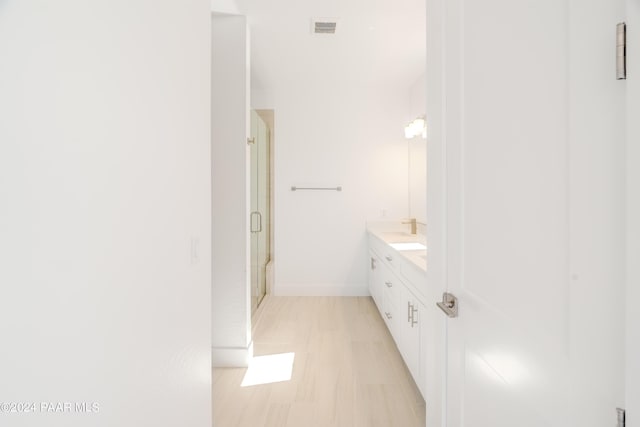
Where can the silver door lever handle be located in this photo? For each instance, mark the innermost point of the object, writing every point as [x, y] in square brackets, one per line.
[449, 305]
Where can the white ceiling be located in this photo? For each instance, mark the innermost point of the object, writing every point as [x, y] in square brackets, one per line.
[378, 42]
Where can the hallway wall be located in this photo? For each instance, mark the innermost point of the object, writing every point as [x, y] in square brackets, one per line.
[105, 212]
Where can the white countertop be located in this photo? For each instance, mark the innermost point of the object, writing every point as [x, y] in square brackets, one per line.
[394, 232]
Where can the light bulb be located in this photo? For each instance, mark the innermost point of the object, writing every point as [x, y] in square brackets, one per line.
[407, 132]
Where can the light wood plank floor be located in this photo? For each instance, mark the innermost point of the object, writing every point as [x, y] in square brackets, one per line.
[347, 371]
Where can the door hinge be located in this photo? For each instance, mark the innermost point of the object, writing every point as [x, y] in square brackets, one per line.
[621, 51]
[621, 417]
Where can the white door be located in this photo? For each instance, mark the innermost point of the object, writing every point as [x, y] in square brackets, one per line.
[529, 143]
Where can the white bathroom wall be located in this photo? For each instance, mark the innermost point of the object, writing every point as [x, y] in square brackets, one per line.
[105, 213]
[229, 122]
[340, 103]
[331, 134]
[418, 96]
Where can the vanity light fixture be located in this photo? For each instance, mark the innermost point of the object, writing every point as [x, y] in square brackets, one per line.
[417, 127]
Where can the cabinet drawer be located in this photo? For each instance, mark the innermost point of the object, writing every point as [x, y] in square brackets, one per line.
[385, 252]
[392, 317]
[392, 286]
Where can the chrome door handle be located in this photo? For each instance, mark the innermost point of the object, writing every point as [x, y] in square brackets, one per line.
[449, 305]
[389, 284]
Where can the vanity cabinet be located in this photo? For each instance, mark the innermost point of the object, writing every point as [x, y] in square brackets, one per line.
[384, 291]
[412, 337]
[400, 304]
[392, 307]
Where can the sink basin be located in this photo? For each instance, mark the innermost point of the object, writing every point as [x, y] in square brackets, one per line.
[408, 246]
[399, 237]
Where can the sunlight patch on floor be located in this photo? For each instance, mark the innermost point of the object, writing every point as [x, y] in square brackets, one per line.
[269, 369]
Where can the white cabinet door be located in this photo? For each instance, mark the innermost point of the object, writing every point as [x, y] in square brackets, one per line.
[411, 336]
[530, 152]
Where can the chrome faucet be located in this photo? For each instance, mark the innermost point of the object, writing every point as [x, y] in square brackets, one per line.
[414, 225]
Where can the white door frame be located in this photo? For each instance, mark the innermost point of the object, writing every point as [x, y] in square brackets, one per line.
[633, 215]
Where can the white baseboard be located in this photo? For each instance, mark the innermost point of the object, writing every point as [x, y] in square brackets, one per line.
[231, 357]
[321, 290]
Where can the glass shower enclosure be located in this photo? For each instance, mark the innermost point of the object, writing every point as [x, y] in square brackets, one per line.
[260, 220]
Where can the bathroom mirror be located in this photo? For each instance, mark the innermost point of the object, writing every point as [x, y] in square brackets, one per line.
[417, 176]
[417, 155]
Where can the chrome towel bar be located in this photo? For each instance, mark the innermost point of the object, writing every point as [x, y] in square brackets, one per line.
[338, 188]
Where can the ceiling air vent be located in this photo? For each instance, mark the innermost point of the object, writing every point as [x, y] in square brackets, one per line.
[324, 25]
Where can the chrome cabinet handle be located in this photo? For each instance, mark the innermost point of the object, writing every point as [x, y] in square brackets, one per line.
[389, 284]
[449, 305]
[409, 307]
[389, 316]
[413, 319]
[388, 258]
[373, 263]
